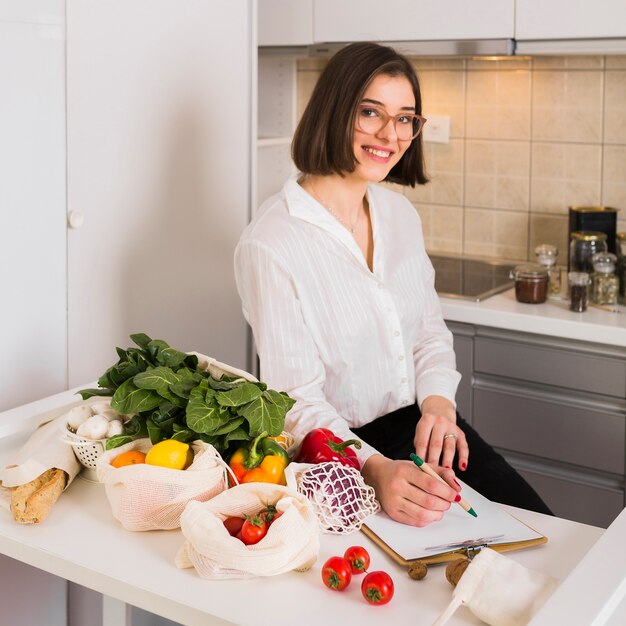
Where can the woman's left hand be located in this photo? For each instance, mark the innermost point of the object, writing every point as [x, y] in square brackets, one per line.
[432, 440]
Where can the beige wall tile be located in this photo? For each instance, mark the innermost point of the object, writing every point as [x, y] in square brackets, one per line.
[550, 229]
[495, 234]
[443, 227]
[567, 106]
[564, 175]
[444, 164]
[497, 174]
[615, 61]
[443, 93]
[498, 104]
[568, 62]
[615, 107]
[306, 83]
[428, 63]
[614, 177]
[312, 64]
[513, 63]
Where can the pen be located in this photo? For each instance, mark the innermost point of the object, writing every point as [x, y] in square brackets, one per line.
[431, 472]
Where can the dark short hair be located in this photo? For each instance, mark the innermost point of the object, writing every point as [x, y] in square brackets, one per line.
[323, 141]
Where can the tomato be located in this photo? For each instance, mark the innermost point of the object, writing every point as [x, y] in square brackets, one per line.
[377, 587]
[253, 530]
[337, 573]
[233, 525]
[359, 559]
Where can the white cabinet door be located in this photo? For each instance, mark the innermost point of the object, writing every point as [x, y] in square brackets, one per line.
[159, 101]
[32, 207]
[285, 22]
[412, 20]
[569, 19]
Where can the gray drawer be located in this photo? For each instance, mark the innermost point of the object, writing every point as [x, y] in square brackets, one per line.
[563, 429]
[596, 369]
[575, 501]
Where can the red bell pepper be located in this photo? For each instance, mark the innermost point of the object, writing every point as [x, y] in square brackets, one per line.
[322, 445]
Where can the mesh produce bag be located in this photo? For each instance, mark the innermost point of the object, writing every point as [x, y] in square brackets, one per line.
[149, 497]
[291, 543]
[338, 494]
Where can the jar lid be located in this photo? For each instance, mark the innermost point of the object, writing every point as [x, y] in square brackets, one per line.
[621, 236]
[529, 271]
[578, 278]
[593, 209]
[588, 235]
[603, 262]
[546, 254]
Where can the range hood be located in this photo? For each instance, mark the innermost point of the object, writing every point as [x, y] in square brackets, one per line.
[457, 47]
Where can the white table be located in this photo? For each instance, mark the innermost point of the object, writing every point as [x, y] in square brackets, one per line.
[82, 542]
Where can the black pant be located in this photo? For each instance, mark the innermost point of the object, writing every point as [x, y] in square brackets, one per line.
[487, 471]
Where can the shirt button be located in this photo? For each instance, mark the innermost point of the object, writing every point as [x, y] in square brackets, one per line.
[396, 333]
[404, 380]
[401, 357]
[404, 402]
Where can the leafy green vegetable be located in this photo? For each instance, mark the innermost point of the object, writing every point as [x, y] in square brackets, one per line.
[168, 396]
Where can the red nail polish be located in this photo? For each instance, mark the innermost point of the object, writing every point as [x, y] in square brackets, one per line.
[457, 498]
[463, 466]
[447, 466]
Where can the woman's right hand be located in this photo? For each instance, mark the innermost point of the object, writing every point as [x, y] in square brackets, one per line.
[406, 493]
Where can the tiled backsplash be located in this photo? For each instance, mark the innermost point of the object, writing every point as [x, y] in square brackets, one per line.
[529, 138]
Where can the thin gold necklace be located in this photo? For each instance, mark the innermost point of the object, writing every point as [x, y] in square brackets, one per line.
[345, 224]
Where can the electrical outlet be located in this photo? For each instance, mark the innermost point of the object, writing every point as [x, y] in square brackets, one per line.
[437, 129]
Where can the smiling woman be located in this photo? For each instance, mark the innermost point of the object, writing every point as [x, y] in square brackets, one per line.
[339, 291]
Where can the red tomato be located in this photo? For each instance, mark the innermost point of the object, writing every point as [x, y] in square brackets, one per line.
[377, 587]
[359, 559]
[337, 573]
[253, 530]
[233, 525]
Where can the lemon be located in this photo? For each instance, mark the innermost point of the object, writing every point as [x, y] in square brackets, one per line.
[170, 453]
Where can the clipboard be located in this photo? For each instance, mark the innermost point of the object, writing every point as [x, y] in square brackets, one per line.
[457, 535]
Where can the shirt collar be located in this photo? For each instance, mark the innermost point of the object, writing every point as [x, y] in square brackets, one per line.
[303, 206]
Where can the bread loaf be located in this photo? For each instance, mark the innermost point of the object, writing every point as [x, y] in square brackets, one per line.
[31, 503]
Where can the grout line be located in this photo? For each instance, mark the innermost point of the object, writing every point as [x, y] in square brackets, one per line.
[603, 109]
[530, 157]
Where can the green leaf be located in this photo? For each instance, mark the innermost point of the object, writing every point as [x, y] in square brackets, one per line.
[90, 393]
[232, 424]
[117, 440]
[263, 416]
[141, 339]
[154, 431]
[130, 399]
[202, 416]
[280, 399]
[159, 379]
[239, 396]
[239, 434]
[183, 435]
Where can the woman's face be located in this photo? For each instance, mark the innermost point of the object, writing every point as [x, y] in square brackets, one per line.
[377, 151]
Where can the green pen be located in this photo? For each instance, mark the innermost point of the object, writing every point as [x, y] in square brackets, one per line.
[427, 469]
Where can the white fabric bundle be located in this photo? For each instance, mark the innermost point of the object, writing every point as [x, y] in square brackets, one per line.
[149, 497]
[291, 543]
[338, 494]
[500, 591]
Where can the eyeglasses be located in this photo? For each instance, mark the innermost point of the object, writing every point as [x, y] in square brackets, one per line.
[371, 119]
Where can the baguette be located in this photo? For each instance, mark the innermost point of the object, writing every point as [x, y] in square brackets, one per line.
[31, 503]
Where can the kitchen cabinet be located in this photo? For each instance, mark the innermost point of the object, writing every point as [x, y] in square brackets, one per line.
[556, 409]
[582, 19]
[285, 22]
[407, 20]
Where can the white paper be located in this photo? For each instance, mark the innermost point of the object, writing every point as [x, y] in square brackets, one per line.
[493, 524]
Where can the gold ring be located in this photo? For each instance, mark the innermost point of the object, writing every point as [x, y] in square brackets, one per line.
[453, 435]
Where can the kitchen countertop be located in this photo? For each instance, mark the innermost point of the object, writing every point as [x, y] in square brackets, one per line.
[551, 318]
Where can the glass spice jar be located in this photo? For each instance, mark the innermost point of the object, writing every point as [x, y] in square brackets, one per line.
[546, 255]
[604, 282]
[578, 291]
[531, 283]
[583, 245]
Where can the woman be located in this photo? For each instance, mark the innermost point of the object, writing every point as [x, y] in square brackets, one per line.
[339, 291]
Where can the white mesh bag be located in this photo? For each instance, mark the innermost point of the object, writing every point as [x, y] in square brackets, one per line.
[291, 543]
[149, 497]
[338, 494]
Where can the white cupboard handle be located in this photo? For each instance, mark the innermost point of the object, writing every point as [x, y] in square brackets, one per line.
[75, 219]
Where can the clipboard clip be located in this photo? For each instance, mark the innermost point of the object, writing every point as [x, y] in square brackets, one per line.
[470, 547]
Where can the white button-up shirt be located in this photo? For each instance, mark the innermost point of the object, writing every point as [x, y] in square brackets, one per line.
[348, 344]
